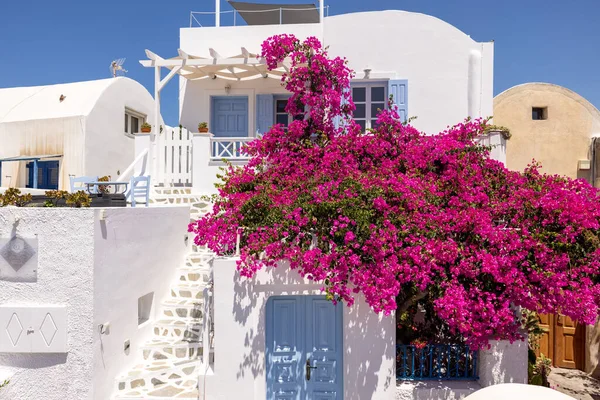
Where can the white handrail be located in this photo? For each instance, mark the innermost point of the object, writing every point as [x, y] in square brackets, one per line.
[129, 169]
[206, 328]
[228, 147]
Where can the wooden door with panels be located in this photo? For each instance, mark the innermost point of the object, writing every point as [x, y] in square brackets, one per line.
[563, 341]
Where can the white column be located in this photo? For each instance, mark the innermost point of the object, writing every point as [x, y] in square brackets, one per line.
[154, 136]
[217, 12]
[203, 178]
[321, 11]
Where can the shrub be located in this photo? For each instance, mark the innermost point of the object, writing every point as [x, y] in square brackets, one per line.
[78, 199]
[13, 197]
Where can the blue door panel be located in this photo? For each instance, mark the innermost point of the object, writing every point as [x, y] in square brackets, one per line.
[284, 368]
[229, 116]
[303, 329]
[47, 175]
[399, 90]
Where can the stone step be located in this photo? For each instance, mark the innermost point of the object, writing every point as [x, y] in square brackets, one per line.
[144, 379]
[202, 257]
[172, 349]
[185, 291]
[190, 309]
[161, 392]
[168, 190]
[178, 328]
[194, 275]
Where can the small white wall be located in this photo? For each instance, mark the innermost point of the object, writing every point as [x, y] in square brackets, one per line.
[97, 269]
[136, 252]
[435, 390]
[503, 362]
[239, 310]
[64, 277]
[108, 149]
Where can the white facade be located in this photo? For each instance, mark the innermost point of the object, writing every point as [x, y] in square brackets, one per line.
[369, 339]
[450, 76]
[96, 263]
[85, 129]
[445, 76]
[239, 345]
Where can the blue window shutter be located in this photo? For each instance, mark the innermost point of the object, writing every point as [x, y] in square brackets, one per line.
[398, 88]
[264, 113]
[337, 121]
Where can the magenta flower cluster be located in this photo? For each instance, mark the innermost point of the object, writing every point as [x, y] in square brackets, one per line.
[394, 211]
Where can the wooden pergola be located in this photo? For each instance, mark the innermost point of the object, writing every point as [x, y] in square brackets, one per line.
[241, 67]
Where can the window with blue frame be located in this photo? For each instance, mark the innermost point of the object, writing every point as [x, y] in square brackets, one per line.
[280, 115]
[370, 98]
[47, 175]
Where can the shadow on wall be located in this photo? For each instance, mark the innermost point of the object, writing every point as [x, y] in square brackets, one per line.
[367, 344]
[369, 338]
[32, 361]
[245, 300]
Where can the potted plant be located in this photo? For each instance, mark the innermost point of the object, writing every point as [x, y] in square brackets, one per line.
[203, 127]
[146, 127]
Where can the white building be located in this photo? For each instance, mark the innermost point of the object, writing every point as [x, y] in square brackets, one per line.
[72, 129]
[124, 330]
[435, 72]
[275, 336]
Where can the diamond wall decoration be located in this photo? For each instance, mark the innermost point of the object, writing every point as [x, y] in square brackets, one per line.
[18, 259]
[14, 329]
[48, 329]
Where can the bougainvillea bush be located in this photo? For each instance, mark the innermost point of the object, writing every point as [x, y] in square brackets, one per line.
[403, 218]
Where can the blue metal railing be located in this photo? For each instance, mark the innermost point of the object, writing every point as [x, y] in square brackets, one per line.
[436, 362]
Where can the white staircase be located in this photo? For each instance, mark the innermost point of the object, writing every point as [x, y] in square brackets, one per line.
[171, 362]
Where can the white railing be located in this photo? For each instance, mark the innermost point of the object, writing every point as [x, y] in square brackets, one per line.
[233, 18]
[175, 155]
[228, 148]
[129, 170]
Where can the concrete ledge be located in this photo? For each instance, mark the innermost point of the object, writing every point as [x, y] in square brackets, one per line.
[435, 390]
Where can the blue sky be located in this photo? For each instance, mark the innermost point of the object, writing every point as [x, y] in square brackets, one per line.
[44, 42]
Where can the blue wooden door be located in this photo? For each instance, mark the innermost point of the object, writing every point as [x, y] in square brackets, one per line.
[303, 349]
[47, 175]
[229, 116]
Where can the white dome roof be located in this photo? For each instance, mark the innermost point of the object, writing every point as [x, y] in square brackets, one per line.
[43, 102]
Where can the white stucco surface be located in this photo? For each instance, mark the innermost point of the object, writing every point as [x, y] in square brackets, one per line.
[97, 263]
[503, 362]
[137, 251]
[65, 277]
[435, 390]
[239, 309]
[450, 76]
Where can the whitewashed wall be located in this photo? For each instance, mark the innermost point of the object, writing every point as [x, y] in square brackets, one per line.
[239, 309]
[108, 149]
[98, 269]
[136, 251]
[450, 76]
[64, 277]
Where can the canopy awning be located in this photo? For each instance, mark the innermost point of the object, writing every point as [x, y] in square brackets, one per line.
[30, 158]
[244, 66]
[276, 14]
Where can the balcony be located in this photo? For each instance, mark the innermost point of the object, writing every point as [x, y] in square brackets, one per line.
[230, 149]
[436, 362]
[244, 13]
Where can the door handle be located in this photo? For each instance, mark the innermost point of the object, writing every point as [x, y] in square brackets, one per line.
[308, 369]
